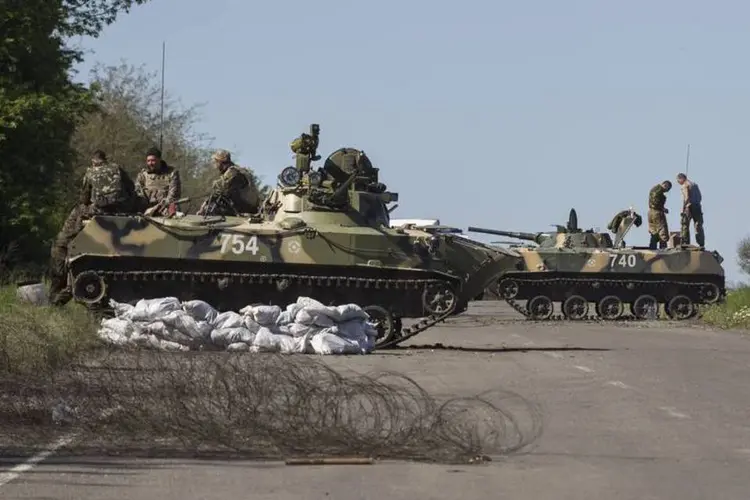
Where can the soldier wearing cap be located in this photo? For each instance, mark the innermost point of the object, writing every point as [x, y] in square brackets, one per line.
[106, 189]
[657, 215]
[233, 184]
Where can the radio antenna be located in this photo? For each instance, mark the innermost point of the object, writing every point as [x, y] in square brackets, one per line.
[161, 117]
[687, 160]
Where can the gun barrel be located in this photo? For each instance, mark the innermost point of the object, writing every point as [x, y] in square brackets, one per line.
[511, 234]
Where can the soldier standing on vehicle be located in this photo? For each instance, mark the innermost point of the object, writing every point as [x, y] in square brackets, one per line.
[106, 189]
[657, 215]
[691, 210]
[233, 185]
[158, 184]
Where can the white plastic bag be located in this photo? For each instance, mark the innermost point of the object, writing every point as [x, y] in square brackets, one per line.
[152, 309]
[200, 310]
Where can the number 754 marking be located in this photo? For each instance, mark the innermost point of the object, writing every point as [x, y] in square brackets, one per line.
[617, 260]
[239, 243]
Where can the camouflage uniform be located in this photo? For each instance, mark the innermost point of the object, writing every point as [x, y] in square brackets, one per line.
[691, 210]
[233, 185]
[158, 188]
[106, 189]
[657, 218]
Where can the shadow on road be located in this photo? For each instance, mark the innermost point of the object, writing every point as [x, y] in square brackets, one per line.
[443, 347]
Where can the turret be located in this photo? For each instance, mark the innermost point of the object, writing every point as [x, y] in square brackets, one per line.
[345, 190]
[567, 236]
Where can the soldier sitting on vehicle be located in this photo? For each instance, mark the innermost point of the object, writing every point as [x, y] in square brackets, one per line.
[158, 184]
[106, 189]
[232, 193]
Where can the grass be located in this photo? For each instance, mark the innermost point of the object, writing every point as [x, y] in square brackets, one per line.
[734, 313]
[40, 340]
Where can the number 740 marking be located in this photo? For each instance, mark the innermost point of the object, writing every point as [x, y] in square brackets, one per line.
[239, 243]
[623, 260]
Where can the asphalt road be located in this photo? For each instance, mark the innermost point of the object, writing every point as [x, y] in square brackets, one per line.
[628, 412]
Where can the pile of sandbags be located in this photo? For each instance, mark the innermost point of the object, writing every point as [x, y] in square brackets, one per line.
[306, 326]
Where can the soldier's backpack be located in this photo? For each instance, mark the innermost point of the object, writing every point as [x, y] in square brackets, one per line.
[249, 194]
[107, 186]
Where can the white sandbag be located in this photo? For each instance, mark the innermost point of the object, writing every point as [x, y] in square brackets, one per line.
[328, 343]
[167, 345]
[120, 326]
[266, 341]
[113, 337]
[348, 312]
[153, 309]
[266, 315]
[300, 330]
[187, 325]
[122, 309]
[166, 332]
[238, 347]
[228, 319]
[227, 336]
[35, 294]
[314, 317]
[200, 310]
[249, 323]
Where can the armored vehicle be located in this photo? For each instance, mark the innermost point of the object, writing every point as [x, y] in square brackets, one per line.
[322, 233]
[574, 267]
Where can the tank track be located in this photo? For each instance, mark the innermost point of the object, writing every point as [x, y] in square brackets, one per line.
[400, 336]
[611, 284]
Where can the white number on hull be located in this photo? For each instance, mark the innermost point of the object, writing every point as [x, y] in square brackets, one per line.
[622, 260]
[239, 243]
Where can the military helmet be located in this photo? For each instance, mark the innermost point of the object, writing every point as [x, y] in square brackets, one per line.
[221, 156]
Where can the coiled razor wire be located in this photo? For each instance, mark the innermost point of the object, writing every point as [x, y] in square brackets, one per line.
[275, 406]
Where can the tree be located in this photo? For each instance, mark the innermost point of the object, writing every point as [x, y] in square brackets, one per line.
[40, 108]
[126, 122]
[743, 255]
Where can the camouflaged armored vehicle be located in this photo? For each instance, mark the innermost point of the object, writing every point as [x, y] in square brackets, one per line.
[322, 233]
[575, 268]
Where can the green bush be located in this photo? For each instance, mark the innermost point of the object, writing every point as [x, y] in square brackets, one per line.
[39, 340]
[734, 313]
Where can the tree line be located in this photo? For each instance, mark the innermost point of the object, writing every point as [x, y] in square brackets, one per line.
[49, 124]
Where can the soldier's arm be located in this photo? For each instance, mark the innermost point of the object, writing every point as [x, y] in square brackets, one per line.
[84, 197]
[175, 187]
[223, 184]
[139, 185]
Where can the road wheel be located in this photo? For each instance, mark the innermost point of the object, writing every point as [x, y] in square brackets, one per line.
[507, 288]
[575, 307]
[384, 324]
[540, 307]
[680, 307]
[89, 288]
[646, 307]
[610, 308]
[709, 293]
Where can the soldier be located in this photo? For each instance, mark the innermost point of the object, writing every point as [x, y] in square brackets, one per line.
[106, 189]
[657, 215]
[691, 210]
[158, 184]
[233, 185]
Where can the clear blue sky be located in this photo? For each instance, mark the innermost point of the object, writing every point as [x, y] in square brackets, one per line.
[488, 113]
